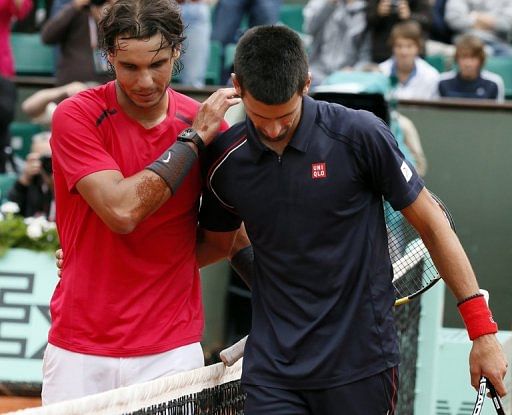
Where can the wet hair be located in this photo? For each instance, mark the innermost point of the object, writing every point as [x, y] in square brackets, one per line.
[271, 64]
[470, 45]
[409, 29]
[141, 19]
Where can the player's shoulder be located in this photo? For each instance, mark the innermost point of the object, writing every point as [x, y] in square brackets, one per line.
[186, 107]
[227, 140]
[340, 122]
[89, 102]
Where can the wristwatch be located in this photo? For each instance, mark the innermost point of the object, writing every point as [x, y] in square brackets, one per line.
[191, 135]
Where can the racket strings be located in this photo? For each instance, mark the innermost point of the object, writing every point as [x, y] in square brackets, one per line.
[413, 269]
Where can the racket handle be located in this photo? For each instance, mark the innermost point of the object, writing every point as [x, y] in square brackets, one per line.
[498, 405]
[231, 354]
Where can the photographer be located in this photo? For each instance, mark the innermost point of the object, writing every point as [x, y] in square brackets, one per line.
[382, 15]
[74, 29]
[33, 191]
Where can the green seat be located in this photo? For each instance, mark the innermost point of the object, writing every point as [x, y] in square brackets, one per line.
[502, 66]
[291, 16]
[437, 61]
[31, 56]
[214, 69]
[6, 182]
[21, 137]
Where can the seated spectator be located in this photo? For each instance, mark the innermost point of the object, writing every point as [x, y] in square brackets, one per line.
[227, 19]
[383, 15]
[40, 105]
[196, 47]
[9, 10]
[414, 78]
[74, 28]
[8, 97]
[339, 36]
[440, 31]
[470, 81]
[490, 20]
[33, 190]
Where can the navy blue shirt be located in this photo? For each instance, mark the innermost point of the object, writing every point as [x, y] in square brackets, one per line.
[322, 295]
[486, 86]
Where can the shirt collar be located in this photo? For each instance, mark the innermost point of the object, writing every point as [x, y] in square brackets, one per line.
[301, 138]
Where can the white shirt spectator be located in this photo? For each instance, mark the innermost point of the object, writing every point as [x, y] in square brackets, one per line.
[421, 84]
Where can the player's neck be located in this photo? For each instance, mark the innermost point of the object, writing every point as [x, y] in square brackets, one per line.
[148, 117]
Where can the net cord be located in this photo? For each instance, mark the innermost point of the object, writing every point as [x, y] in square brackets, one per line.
[134, 397]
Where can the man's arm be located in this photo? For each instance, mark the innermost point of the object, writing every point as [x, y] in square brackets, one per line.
[486, 357]
[122, 203]
[234, 246]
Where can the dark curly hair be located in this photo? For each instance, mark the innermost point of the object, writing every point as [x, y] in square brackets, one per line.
[141, 19]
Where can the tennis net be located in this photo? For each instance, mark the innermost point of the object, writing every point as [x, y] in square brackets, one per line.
[212, 390]
[216, 390]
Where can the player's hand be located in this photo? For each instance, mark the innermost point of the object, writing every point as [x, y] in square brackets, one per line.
[487, 359]
[59, 260]
[211, 113]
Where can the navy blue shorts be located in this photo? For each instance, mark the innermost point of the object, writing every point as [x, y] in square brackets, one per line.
[376, 395]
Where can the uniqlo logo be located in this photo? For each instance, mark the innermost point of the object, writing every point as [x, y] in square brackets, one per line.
[318, 171]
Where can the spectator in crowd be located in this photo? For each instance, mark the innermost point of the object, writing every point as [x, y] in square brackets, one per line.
[440, 31]
[9, 9]
[196, 47]
[33, 190]
[36, 17]
[40, 105]
[383, 15]
[470, 80]
[490, 20]
[339, 36]
[228, 16]
[415, 78]
[7, 108]
[74, 29]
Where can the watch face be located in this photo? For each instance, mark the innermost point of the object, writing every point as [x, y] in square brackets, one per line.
[187, 132]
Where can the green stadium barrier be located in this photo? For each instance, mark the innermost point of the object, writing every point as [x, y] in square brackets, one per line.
[31, 55]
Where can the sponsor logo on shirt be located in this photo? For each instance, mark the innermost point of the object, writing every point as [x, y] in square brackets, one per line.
[318, 171]
[406, 171]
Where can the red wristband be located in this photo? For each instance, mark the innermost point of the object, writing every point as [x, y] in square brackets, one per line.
[477, 317]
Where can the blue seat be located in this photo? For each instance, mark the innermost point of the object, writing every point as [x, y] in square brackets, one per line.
[6, 182]
[31, 55]
[291, 16]
[21, 137]
[502, 66]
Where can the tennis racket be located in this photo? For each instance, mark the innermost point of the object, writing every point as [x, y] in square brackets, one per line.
[413, 270]
[486, 385]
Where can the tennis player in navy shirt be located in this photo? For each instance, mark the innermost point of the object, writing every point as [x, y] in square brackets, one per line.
[308, 178]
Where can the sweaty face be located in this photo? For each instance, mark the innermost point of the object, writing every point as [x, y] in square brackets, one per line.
[142, 73]
[274, 123]
[469, 66]
[405, 51]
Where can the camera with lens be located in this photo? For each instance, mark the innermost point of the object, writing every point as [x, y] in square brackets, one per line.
[46, 164]
[98, 2]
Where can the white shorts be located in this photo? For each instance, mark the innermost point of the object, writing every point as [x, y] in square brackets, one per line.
[70, 375]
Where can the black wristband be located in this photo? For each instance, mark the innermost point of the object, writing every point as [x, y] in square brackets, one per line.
[469, 298]
[243, 264]
[174, 164]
